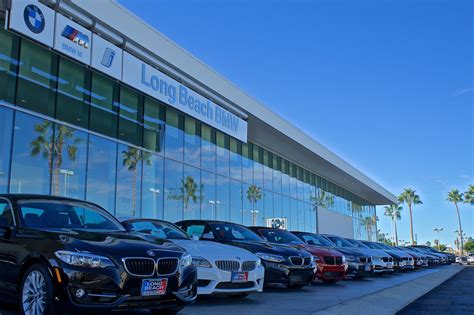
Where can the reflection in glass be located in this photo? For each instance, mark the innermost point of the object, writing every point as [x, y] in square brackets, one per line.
[130, 116]
[236, 199]
[37, 78]
[192, 142]
[129, 171]
[258, 166]
[174, 134]
[173, 181]
[301, 215]
[223, 154]
[235, 159]
[32, 155]
[285, 205]
[104, 105]
[190, 192]
[73, 93]
[210, 204]
[277, 206]
[8, 66]
[277, 180]
[6, 121]
[152, 188]
[253, 206]
[268, 207]
[154, 126]
[101, 170]
[247, 163]
[223, 195]
[208, 148]
[293, 214]
[69, 162]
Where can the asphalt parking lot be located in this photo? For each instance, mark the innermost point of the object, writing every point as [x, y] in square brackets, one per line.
[304, 301]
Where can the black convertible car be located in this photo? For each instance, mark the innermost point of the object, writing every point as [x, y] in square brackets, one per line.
[59, 253]
[284, 265]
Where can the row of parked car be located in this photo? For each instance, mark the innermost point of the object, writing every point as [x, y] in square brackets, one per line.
[60, 253]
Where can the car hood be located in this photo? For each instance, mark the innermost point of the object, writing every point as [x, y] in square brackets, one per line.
[320, 251]
[397, 253]
[264, 247]
[111, 244]
[373, 252]
[349, 251]
[213, 251]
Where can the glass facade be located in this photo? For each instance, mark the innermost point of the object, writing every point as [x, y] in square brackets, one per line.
[70, 131]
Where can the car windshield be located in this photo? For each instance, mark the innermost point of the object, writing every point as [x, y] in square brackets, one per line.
[340, 242]
[357, 244]
[158, 229]
[386, 247]
[313, 239]
[234, 232]
[280, 237]
[372, 245]
[66, 214]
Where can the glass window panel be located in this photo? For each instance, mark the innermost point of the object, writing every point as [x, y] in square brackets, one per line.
[258, 166]
[208, 148]
[154, 125]
[252, 204]
[247, 163]
[277, 206]
[293, 187]
[235, 159]
[69, 162]
[301, 215]
[286, 209]
[223, 196]
[191, 192]
[73, 93]
[101, 171]
[174, 133]
[236, 201]
[293, 214]
[210, 204]
[267, 170]
[268, 208]
[8, 66]
[313, 218]
[192, 141]
[130, 116]
[6, 121]
[129, 173]
[104, 105]
[223, 155]
[152, 187]
[32, 155]
[307, 217]
[172, 198]
[277, 174]
[37, 78]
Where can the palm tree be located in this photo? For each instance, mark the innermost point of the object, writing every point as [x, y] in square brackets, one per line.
[456, 197]
[394, 212]
[254, 194]
[410, 197]
[368, 222]
[469, 195]
[131, 159]
[189, 191]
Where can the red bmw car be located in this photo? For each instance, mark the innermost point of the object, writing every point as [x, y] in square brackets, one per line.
[331, 265]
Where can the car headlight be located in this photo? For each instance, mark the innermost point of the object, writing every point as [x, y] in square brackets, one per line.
[201, 262]
[83, 259]
[344, 259]
[258, 263]
[186, 261]
[270, 257]
[351, 258]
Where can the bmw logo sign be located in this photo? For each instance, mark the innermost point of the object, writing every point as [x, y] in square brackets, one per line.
[151, 253]
[34, 18]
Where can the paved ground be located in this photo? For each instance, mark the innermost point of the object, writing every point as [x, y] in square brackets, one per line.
[318, 297]
[455, 296]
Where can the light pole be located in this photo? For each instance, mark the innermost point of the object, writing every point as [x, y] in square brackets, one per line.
[439, 229]
[254, 216]
[155, 192]
[66, 174]
[214, 204]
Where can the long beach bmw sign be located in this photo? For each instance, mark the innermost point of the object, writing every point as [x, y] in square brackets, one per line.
[41, 23]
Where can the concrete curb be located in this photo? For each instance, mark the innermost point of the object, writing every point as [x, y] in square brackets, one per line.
[391, 300]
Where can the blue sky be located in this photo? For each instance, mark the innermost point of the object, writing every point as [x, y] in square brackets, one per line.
[387, 85]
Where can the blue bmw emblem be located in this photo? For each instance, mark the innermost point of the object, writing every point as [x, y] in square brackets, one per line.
[34, 18]
[151, 253]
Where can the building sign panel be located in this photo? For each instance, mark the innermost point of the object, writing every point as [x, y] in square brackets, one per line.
[34, 20]
[155, 83]
[106, 57]
[72, 39]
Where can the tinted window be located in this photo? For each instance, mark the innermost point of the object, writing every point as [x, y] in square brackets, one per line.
[340, 242]
[316, 240]
[280, 237]
[158, 229]
[6, 121]
[231, 232]
[6, 215]
[104, 106]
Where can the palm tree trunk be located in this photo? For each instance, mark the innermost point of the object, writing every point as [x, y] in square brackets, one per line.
[411, 225]
[396, 234]
[460, 229]
[134, 192]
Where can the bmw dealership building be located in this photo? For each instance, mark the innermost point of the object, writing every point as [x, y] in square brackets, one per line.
[97, 105]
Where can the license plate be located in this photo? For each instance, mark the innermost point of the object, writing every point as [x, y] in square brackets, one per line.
[152, 287]
[240, 277]
[367, 267]
[296, 278]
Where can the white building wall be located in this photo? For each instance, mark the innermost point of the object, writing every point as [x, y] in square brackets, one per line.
[331, 222]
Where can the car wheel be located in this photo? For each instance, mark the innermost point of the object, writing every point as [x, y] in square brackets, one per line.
[167, 311]
[239, 296]
[36, 292]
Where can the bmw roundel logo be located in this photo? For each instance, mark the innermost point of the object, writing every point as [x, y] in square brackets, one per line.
[34, 18]
[151, 253]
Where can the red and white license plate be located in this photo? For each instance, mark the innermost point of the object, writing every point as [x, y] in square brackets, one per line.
[240, 277]
[152, 287]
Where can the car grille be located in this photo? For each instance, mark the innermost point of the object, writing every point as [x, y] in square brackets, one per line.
[140, 266]
[300, 261]
[228, 265]
[235, 285]
[249, 265]
[331, 260]
[363, 259]
[167, 266]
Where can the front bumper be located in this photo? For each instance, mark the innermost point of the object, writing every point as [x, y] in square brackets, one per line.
[113, 288]
[216, 281]
[283, 274]
[330, 272]
[359, 270]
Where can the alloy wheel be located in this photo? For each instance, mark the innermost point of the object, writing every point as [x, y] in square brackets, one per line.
[34, 293]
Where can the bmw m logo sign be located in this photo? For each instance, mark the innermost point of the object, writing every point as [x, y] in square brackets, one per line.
[75, 36]
[34, 18]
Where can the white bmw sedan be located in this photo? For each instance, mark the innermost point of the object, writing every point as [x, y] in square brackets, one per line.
[222, 269]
